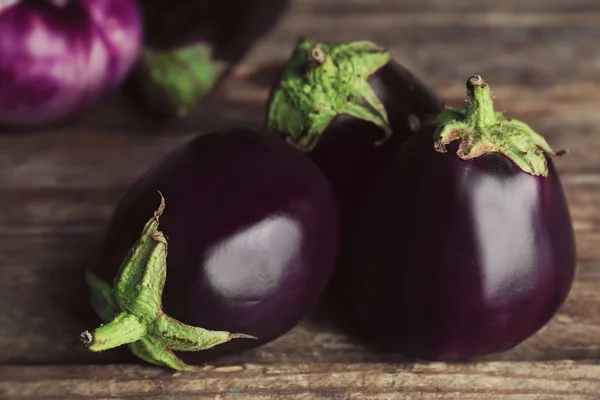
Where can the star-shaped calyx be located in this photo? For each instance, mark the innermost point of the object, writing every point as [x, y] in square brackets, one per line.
[321, 81]
[175, 81]
[482, 130]
[132, 308]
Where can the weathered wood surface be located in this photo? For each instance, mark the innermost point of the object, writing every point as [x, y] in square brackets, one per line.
[490, 381]
[60, 184]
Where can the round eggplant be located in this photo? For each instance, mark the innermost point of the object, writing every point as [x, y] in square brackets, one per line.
[467, 247]
[58, 57]
[191, 46]
[252, 230]
[348, 106]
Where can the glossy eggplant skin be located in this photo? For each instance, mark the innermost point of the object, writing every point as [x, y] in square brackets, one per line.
[252, 227]
[347, 152]
[458, 258]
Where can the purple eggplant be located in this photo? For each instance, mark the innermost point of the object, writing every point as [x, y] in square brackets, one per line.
[348, 106]
[252, 230]
[191, 46]
[59, 56]
[467, 246]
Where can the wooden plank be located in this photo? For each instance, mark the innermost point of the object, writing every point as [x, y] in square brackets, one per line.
[37, 213]
[380, 19]
[338, 8]
[429, 39]
[96, 161]
[497, 380]
[97, 156]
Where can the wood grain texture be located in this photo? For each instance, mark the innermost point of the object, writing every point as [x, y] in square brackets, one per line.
[341, 7]
[498, 380]
[60, 184]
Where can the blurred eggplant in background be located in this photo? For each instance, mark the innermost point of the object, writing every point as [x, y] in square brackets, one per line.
[59, 56]
[191, 46]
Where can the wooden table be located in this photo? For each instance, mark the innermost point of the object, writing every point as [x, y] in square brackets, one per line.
[60, 184]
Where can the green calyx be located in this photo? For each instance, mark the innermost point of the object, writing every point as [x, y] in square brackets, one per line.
[132, 308]
[321, 81]
[483, 130]
[175, 81]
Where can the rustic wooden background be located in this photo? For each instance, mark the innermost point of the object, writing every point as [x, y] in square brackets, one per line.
[59, 186]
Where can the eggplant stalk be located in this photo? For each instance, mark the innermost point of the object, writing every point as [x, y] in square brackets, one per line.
[483, 130]
[175, 81]
[132, 308]
[323, 80]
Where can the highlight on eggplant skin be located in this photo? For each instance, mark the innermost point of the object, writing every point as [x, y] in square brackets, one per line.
[57, 57]
[192, 46]
[252, 230]
[462, 255]
[351, 141]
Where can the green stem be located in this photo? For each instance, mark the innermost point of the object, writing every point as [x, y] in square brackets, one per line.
[125, 328]
[480, 113]
[135, 299]
[175, 81]
[321, 81]
[481, 130]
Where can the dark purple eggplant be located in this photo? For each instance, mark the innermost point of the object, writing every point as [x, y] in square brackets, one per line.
[252, 230]
[192, 45]
[467, 246]
[348, 106]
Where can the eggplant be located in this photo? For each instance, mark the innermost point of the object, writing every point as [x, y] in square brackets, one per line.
[191, 46]
[252, 230]
[58, 57]
[348, 106]
[467, 245]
